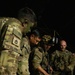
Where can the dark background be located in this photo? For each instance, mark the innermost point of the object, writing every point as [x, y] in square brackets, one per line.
[51, 15]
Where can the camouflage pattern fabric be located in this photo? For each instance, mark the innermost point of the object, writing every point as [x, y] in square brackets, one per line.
[24, 64]
[10, 40]
[74, 63]
[62, 61]
[38, 58]
[46, 39]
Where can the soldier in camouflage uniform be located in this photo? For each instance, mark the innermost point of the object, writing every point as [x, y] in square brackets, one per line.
[61, 60]
[30, 20]
[11, 32]
[33, 38]
[39, 57]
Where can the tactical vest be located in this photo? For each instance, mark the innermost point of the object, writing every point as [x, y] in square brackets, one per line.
[10, 34]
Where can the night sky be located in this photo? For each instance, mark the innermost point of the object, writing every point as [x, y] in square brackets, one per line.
[51, 15]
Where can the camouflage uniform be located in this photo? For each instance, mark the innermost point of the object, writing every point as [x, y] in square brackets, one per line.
[30, 22]
[23, 64]
[11, 35]
[36, 60]
[62, 62]
[39, 57]
[74, 62]
[10, 40]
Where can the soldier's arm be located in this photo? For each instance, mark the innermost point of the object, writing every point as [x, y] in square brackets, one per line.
[3, 61]
[37, 59]
[42, 70]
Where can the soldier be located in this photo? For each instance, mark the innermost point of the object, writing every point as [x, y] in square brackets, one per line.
[61, 60]
[38, 57]
[11, 32]
[33, 38]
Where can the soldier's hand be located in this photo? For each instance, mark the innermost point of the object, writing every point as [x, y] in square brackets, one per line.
[51, 69]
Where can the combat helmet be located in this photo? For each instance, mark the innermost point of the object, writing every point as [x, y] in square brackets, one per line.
[47, 39]
[28, 18]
